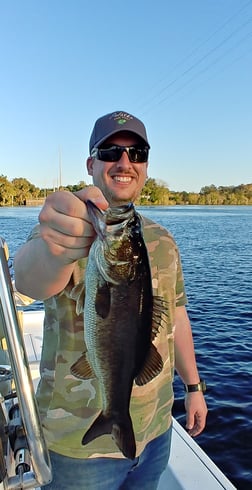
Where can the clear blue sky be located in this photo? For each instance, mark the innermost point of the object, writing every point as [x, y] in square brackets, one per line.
[184, 67]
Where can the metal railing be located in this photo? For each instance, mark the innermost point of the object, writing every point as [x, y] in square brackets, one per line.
[40, 472]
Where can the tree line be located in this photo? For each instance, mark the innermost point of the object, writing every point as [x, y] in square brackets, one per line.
[20, 192]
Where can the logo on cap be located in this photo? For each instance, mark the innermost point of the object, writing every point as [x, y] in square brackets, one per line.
[121, 117]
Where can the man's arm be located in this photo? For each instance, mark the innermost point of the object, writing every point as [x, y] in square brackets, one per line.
[185, 364]
[43, 265]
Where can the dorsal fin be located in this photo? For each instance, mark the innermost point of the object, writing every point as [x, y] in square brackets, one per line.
[159, 314]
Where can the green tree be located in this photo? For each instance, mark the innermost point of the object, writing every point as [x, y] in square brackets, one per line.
[7, 191]
[208, 188]
[24, 190]
[77, 187]
[193, 198]
[154, 193]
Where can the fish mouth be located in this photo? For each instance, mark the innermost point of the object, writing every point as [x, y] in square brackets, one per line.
[113, 220]
[118, 216]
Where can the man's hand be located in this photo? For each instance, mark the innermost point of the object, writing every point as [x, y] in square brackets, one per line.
[196, 412]
[65, 225]
[44, 265]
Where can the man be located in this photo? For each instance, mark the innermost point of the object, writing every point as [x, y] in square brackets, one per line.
[50, 266]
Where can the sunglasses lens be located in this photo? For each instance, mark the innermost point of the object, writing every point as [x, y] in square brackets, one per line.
[138, 155]
[112, 154]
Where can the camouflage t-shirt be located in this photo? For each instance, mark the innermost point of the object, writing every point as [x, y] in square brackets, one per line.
[69, 405]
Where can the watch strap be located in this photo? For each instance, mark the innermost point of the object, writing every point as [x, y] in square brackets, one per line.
[201, 386]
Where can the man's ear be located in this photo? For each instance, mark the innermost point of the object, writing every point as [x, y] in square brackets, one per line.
[90, 161]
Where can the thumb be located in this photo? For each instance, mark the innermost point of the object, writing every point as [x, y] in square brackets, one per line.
[189, 421]
[93, 194]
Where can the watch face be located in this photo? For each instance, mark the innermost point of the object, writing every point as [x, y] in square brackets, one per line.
[203, 386]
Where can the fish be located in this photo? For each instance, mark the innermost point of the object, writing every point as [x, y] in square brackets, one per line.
[121, 320]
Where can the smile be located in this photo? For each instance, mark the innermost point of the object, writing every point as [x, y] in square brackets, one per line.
[123, 179]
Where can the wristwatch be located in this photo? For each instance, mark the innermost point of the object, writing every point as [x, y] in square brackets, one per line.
[201, 386]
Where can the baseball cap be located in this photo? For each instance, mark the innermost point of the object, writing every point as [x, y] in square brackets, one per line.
[113, 123]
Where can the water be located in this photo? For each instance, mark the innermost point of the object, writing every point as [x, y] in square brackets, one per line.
[216, 250]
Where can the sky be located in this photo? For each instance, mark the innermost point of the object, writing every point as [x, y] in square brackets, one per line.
[183, 67]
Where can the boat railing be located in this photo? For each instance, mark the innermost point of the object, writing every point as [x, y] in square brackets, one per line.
[33, 468]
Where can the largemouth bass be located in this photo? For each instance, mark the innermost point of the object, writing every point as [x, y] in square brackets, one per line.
[121, 319]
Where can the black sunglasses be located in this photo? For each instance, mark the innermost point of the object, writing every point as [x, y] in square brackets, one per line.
[114, 153]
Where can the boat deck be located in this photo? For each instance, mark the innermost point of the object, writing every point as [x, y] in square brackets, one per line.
[189, 467]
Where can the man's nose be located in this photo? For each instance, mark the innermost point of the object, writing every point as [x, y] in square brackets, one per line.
[124, 161]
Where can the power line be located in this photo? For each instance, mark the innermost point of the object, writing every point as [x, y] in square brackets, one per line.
[203, 70]
[201, 59]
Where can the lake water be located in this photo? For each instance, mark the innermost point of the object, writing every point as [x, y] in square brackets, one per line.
[216, 249]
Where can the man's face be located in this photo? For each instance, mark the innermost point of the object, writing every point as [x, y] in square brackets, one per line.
[121, 181]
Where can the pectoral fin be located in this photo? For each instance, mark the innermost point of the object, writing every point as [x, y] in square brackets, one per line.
[152, 367]
[78, 294]
[82, 369]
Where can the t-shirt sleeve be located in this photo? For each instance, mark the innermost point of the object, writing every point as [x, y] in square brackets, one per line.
[181, 297]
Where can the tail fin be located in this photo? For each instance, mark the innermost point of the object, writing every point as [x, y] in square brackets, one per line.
[121, 431]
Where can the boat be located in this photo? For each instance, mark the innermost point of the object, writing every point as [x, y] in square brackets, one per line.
[25, 463]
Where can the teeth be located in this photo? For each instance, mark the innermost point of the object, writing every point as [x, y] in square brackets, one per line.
[122, 179]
